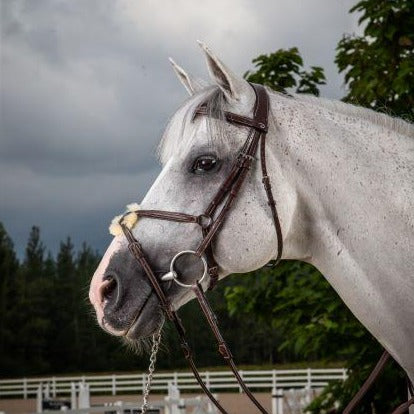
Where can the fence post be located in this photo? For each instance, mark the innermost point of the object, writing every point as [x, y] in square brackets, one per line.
[54, 387]
[47, 391]
[39, 399]
[198, 404]
[167, 405]
[73, 402]
[119, 407]
[83, 399]
[143, 382]
[241, 375]
[308, 396]
[274, 383]
[113, 384]
[277, 401]
[181, 406]
[207, 376]
[172, 400]
[280, 402]
[25, 388]
[309, 378]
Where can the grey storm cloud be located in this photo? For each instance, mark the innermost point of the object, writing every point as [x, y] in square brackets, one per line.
[86, 91]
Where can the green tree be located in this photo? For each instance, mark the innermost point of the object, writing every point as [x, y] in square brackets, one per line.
[8, 292]
[314, 324]
[63, 316]
[283, 70]
[379, 66]
[87, 336]
[35, 251]
[34, 300]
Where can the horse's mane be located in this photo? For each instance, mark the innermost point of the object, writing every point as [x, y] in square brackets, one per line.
[398, 125]
[174, 136]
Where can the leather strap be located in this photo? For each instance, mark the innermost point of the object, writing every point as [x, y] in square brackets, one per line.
[236, 119]
[373, 376]
[410, 387]
[271, 201]
[404, 406]
[222, 345]
[356, 400]
[168, 215]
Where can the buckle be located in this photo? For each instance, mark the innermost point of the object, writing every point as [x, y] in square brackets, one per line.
[135, 248]
[213, 273]
[224, 351]
[186, 350]
[205, 221]
[261, 126]
[245, 160]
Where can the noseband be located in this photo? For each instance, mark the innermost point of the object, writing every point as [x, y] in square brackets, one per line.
[210, 222]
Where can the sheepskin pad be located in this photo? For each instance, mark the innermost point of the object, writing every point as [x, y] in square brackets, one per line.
[128, 219]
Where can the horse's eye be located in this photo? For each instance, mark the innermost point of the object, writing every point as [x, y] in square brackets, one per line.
[204, 164]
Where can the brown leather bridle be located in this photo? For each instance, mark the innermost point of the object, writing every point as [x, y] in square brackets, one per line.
[210, 222]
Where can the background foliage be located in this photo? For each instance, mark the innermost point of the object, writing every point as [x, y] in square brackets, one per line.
[47, 325]
[284, 69]
[379, 66]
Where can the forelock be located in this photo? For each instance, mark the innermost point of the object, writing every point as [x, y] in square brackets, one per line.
[176, 139]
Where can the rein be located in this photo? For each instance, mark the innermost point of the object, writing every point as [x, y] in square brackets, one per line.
[210, 223]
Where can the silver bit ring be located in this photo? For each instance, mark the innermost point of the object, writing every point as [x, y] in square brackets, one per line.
[172, 274]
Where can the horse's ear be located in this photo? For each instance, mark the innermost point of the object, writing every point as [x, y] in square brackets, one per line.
[234, 87]
[191, 85]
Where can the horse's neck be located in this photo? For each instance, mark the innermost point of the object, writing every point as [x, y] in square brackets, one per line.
[354, 203]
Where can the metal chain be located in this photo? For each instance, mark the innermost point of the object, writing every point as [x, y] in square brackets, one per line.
[156, 340]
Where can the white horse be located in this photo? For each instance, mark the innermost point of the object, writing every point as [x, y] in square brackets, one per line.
[343, 180]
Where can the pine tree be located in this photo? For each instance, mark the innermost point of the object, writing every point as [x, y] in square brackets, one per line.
[85, 325]
[8, 293]
[36, 291]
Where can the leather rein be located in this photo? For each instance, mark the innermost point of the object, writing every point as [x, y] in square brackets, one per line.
[210, 223]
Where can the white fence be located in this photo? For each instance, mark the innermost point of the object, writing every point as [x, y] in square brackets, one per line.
[115, 384]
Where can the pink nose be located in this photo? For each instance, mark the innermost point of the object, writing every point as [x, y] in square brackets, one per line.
[103, 291]
[100, 288]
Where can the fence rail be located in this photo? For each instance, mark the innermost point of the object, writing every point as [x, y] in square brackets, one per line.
[215, 380]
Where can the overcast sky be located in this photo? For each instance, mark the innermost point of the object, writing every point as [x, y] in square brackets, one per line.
[86, 90]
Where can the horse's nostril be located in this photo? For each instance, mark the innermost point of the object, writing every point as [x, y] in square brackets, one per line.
[109, 290]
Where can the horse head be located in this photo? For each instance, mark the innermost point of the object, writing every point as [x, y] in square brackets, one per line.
[197, 154]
